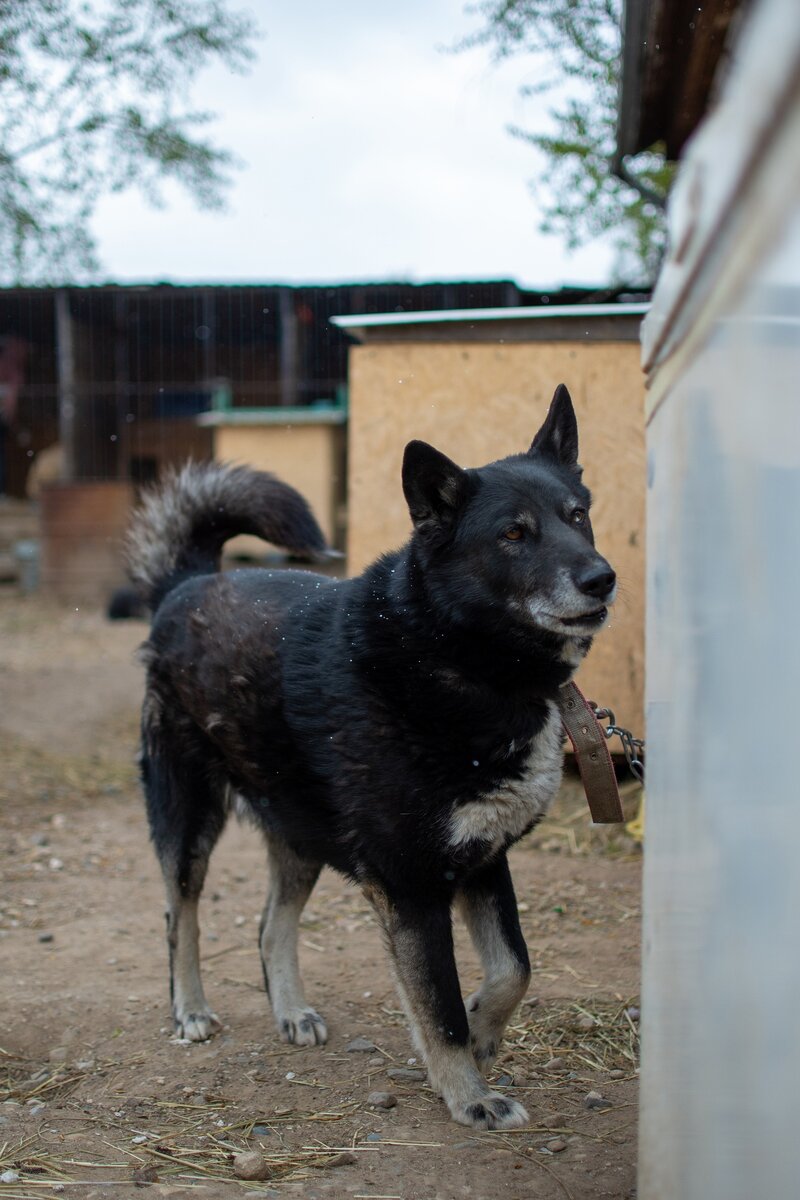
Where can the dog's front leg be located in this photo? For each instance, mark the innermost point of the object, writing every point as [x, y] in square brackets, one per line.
[489, 908]
[420, 940]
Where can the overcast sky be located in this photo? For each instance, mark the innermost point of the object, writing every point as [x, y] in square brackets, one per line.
[368, 154]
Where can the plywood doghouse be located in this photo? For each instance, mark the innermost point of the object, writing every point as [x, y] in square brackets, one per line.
[477, 385]
[305, 446]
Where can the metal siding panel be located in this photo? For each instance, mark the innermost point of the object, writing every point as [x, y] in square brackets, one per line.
[722, 888]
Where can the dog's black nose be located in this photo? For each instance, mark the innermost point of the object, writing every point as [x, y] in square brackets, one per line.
[596, 580]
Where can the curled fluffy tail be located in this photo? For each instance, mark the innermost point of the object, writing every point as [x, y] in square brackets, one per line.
[182, 524]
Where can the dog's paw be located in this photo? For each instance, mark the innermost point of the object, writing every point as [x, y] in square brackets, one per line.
[491, 1111]
[303, 1027]
[197, 1026]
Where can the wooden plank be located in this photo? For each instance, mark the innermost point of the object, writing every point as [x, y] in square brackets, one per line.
[65, 368]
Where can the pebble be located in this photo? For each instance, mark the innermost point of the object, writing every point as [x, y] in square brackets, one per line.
[377, 1060]
[373, 1137]
[251, 1165]
[556, 1145]
[505, 1080]
[345, 1159]
[382, 1100]
[46, 937]
[9, 1177]
[143, 1175]
[616, 1074]
[557, 1121]
[261, 1131]
[595, 1100]
[409, 1074]
[633, 1013]
[585, 1023]
[360, 1045]
[555, 1064]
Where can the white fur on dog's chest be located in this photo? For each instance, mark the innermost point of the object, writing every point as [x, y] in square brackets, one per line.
[507, 811]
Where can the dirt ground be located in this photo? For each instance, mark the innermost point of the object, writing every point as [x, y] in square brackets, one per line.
[94, 1087]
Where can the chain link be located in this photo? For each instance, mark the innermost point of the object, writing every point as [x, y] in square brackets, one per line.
[632, 747]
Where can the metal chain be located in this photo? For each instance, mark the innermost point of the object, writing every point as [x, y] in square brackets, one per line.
[632, 747]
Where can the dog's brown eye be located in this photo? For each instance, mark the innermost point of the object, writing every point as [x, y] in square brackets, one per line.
[578, 516]
[514, 533]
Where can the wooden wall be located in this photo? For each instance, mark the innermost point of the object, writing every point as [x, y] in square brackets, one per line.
[481, 401]
[309, 456]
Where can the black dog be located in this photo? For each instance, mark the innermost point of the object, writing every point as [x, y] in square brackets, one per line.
[401, 726]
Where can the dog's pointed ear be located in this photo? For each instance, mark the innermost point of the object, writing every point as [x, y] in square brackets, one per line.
[558, 437]
[434, 487]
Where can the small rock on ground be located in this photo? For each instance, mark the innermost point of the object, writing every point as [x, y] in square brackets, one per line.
[595, 1100]
[345, 1159]
[409, 1074]
[143, 1175]
[556, 1145]
[360, 1045]
[251, 1165]
[382, 1100]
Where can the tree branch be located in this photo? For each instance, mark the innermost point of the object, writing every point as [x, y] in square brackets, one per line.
[618, 167]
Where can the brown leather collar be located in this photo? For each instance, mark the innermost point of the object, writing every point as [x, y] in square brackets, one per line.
[591, 754]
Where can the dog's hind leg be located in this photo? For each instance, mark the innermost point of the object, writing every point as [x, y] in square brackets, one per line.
[187, 814]
[291, 881]
[489, 907]
[420, 940]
